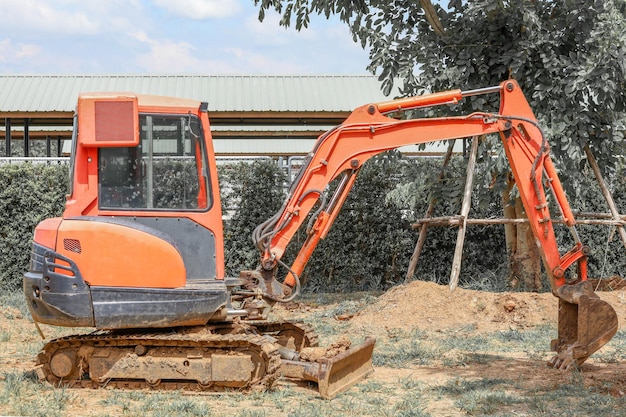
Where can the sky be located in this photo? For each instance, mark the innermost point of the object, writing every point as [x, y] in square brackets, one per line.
[194, 37]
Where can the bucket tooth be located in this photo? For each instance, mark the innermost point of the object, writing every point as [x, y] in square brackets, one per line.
[586, 323]
[337, 374]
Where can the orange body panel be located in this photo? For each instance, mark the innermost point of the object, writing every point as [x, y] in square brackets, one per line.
[119, 256]
[46, 232]
[119, 124]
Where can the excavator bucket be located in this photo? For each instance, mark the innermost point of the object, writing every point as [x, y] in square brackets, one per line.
[336, 374]
[586, 323]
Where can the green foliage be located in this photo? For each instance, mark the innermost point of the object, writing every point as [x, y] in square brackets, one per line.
[568, 57]
[370, 244]
[22, 396]
[607, 250]
[405, 348]
[29, 193]
[176, 185]
[371, 241]
[250, 193]
[487, 402]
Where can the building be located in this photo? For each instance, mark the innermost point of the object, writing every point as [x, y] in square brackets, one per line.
[251, 116]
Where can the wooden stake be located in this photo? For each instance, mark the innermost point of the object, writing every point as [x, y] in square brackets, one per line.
[424, 227]
[605, 191]
[467, 200]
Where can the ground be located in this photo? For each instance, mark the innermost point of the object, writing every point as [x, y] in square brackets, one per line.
[438, 354]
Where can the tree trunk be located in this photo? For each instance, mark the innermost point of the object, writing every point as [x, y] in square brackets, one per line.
[524, 256]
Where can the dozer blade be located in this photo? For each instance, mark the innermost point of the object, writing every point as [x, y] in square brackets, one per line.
[586, 323]
[336, 374]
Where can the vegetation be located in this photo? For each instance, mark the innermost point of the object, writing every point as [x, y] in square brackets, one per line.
[568, 57]
[29, 193]
[251, 193]
[435, 373]
[368, 247]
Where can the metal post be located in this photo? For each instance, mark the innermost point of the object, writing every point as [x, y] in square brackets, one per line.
[26, 138]
[7, 139]
[48, 146]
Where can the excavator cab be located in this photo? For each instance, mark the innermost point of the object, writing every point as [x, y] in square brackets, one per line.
[163, 172]
[140, 243]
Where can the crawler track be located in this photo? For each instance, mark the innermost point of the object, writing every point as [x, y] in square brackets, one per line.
[197, 358]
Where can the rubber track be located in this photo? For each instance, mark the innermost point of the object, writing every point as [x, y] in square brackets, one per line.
[266, 350]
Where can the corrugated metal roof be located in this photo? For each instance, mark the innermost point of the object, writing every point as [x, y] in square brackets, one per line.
[294, 93]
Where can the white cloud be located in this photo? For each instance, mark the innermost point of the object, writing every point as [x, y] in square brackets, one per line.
[122, 36]
[200, 9]
[174, 57]
[251, 62]
[10, 51]
[167, 56]
[54, 16]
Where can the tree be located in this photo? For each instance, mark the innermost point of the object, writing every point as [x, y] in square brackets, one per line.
[569, 57]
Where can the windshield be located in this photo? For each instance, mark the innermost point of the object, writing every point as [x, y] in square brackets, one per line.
[167, 171]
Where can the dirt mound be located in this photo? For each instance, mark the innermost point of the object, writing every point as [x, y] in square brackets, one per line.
[429, 306]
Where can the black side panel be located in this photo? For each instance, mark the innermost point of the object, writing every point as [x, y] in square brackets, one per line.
[123, 308]
[55, 291]
[195, 243]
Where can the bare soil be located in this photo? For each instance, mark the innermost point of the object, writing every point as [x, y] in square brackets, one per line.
[434, 309]
[424, 307]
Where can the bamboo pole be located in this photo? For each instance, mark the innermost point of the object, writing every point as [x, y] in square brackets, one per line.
[423, 229]
[467, 200]
[456, 220]
[605, 191]
[578, 214]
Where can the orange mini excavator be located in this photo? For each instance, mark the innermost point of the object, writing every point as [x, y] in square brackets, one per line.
[138, 253]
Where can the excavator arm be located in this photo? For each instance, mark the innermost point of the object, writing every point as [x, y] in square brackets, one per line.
[585, 322]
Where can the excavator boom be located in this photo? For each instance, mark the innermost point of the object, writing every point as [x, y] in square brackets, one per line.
[369, 130]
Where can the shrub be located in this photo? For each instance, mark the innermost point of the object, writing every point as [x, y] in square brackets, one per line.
[29, 193]
[250, 193]
[371, 242]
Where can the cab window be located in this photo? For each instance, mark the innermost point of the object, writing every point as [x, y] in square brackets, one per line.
[167, 171]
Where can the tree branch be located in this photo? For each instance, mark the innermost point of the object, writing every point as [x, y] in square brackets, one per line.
[432, 17]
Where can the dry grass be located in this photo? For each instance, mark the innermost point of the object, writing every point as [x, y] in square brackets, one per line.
[418, 373]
